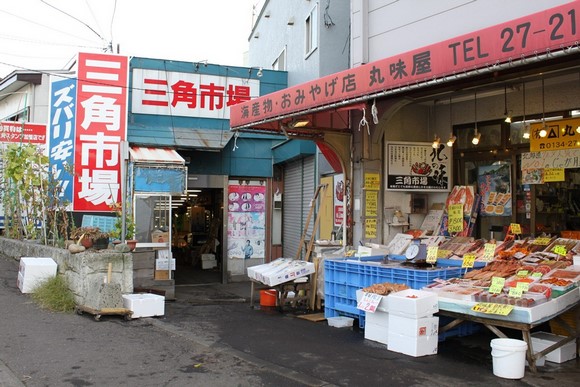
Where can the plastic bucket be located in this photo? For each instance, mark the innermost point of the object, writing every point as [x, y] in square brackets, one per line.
[509, 358]
[268, 297]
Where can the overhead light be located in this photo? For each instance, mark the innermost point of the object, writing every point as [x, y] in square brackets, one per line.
[507, 115]
[543, 132]
[259, 73]
[451, 140]
[299, 123]
[578, 129]
[476, 137]
[508, 118]
[436, 142]
[526, 133]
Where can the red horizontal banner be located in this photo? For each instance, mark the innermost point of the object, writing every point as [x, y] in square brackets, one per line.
[547, 31]
[12, 131]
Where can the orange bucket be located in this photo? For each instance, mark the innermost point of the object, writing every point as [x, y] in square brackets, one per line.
[268, 297]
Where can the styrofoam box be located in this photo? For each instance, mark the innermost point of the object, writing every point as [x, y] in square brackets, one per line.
[208, 257]
[378, 318]
[425, 326]
[208, 264]
[412, 346]
[144, 304]
[413, 303]
[376, 332]
[382, 306]
[542, 340]
[33, 270]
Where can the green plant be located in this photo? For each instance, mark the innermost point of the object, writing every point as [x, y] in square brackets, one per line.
[54, 294]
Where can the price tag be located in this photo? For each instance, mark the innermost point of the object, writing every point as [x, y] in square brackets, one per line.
[560, 249]
[522, 273]
[515, 292]
[488, 251]
[497, 284]
[369, 302]
[432, 254]
[523, 285]
[443, 253]
[536, 275]
[468, 260]
[455, 218]
[541, 241]
[491, 308]
[515, 228]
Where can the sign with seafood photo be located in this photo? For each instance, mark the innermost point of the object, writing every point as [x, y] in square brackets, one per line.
[494, 183]
[418, 167]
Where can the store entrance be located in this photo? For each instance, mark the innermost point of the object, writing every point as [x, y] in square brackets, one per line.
[197, 236]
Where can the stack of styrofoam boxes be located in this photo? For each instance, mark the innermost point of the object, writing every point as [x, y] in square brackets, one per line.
[377, 323]
[543, 340]
[208, 261]
[412, 328]
[33, 271]
[144, 305]
[280, 270]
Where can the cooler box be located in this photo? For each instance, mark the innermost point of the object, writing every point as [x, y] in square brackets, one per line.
[542, 340]
[144, 305]
[32, 271]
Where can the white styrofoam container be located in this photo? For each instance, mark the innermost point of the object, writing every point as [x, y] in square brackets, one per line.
[144, 304]
[414, 327]
[208, 264]
[542, 340]
[377, 318]
[412, 346]
[340, 321]
[376, 332]
[413, 303]
[32, 271]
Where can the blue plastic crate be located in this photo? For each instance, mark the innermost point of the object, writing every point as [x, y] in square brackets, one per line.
[466, 328]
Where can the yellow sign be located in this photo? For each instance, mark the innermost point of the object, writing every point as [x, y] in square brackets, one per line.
[488, 251]
[541, 241]
[559, 135]
[491, 308]
[560, 249]
[515, 228]
[371, 203]
[468, 260]
[370, 228]
[553, 174]
[515, 292]
[441, 253]
[372, 181]
[432, 252]
[522, 273]
[497, 284]
[523, 285]
[455, 220]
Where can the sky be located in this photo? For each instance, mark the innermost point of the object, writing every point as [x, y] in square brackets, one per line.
[36, 36]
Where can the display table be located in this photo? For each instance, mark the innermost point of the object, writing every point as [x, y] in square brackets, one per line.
[522, 319]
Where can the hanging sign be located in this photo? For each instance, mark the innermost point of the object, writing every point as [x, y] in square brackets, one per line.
[372, 181]
[560, 135]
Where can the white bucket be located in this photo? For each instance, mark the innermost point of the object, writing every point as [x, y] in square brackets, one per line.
[509, 358]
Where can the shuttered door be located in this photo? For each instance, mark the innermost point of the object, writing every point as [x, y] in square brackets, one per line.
[299, 185]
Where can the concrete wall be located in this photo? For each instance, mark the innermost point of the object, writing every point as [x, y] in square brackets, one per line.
[85, 272]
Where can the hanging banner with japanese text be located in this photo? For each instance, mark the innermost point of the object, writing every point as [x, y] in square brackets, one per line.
[63, 94]
[101, 126]
[418, 167]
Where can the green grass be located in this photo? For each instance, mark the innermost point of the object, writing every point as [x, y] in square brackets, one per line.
[54, 294]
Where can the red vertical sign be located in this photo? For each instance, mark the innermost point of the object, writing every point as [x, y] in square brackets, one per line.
[101, 126]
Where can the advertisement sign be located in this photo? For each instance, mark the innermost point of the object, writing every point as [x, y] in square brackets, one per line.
[494, 183]
[246, 219]
[101, 126]
[12, 131]
[338, 199]
[560, 135]
[418, 167]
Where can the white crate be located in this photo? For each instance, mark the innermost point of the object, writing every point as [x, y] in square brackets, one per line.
[376, 332]
[32, 271]
[425, 326]
[412, 346]
[542, 340]
[413, 303]
[144, 305]
[208, 264]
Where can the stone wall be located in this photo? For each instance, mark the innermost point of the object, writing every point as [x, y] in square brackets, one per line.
[85, 272]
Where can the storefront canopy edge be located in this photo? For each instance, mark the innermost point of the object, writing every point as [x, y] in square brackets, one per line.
[155, 155]
[539, 36]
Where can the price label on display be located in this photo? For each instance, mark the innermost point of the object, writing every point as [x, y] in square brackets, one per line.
[536, 275]
[497, 284]
[541, 241]
[432, 254]
[491, 308]
[369, 302]
[515, 228]
[455, 218]
[522, 273]
[523, 285]
[468, 260]
[443, 253]
[488, 251]
[560, 249]
[515, 292]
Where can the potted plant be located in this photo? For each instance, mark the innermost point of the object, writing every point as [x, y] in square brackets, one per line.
[88, 235]
[117, 230]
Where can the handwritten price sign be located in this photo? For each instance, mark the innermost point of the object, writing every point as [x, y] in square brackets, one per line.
[432, 254]
[488, 252]
[369, 302]
[491, 308]
[468, 260]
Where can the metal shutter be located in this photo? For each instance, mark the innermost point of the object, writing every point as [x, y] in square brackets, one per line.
[299, 186]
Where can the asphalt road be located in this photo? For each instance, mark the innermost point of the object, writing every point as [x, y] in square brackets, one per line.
[210, 337]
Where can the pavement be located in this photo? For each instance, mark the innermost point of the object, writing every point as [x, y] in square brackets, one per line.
[211, 336]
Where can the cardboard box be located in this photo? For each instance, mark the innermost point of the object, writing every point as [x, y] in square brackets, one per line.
[543, 340]
[161, 274]
[413, 303]
[425, 326]
[208, 264]
[144, 305]
[412, 346]
[376, 332]
[281, 270]
[32, 271]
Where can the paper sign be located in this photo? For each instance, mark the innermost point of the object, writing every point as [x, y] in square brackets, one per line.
[553, 174]
[537, 275]
[468, 260]
[560, 249]
[432, 254]
[488, 251]
[455, 218]
[442, 253]
[491, 308]
[541, 241]
[515, 228]
[369, 302]
[522, 273]
[364, 251]
[523, 285]
[515, 292]
[497, 284]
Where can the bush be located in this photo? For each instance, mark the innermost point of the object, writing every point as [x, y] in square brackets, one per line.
[54, 294]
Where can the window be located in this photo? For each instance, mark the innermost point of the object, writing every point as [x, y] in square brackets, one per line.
[312, 30]
[280, 62]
